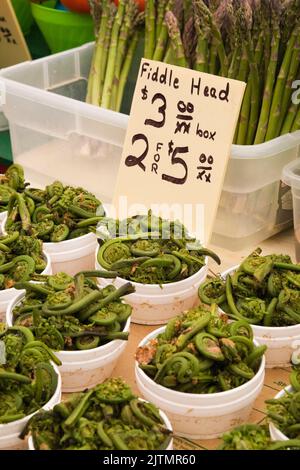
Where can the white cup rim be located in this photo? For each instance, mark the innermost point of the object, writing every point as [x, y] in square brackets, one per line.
[188, 396]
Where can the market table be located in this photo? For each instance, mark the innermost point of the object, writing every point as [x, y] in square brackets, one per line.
[275, 379]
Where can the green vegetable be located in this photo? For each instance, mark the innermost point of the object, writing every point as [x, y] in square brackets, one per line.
[197, 354]
[254, 437]
[255, 42]
[72, 313]
[264, 290]
[246, 437]
[27, 379]
[116, 41]
[154, 251]
[54, 214]
[107, 417]
[284, 412]
[21, 258]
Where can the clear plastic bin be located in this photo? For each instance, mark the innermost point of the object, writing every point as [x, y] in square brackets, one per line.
[255, 203]
[56, 135]
[291, 176]
[3, 122]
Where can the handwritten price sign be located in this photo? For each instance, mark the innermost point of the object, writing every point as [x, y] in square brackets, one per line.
[13, 48]
[178, 140]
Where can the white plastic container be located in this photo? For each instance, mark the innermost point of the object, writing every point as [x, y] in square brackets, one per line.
[278, 339]
[83, 369]
[9, 433]
[156, 305]
[275, 433]
[3, 121]
[255, 204]
[162, 415]
[291, 176]
[70, 256]
[61, 136]
[3, 216]
[73, 256]
[83, 144]
[7, 295]
[201, 416]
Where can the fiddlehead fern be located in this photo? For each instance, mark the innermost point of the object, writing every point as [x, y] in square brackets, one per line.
[200, 352]
[108, 417]
[263, 290]
[67, 313]
[27, 379]
[55, 214]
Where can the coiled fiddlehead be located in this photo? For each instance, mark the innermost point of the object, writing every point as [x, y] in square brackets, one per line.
[107, 417]
[27, 379]
[284, 412]
[213, 291]
[21, 257]
[188, 356]
[264, 290]
[149, 258]
[69, 313]
[54, 214]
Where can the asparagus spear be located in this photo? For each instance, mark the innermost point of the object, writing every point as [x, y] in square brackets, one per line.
[189, 39]
[217, 49]
[290, 17]
[96, 65]
[96, 15]
[217, 37]
[234, 64]
[178, 12]
[169, 56]
[225, 18]
[203, 33]
[269, 86]
[255, 103]
[244, 65]
[296, 124]
[274, 124]
[108, 82]
[161, 10]
[88, 98]
[213, 4]
[288, 90]
[259, 49]
[244, 25]
[289, 119]
[126, 67]
[107, 39]
[150, 39]
[96, 12]
[131, 12]
[187, 10]
[175, 37]
[244, 115]
[235, 46]
[162, 39]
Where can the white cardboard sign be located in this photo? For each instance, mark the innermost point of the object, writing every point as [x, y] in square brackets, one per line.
[13, 48]
[178, 141]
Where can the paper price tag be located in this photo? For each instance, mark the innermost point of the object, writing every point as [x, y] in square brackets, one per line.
[13, 48]
[178, 142]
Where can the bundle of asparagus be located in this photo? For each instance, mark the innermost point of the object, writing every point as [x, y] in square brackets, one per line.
[256, 41]
[117, 34]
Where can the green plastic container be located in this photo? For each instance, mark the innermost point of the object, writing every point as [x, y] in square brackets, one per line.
[62, 30]
[24, 15]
